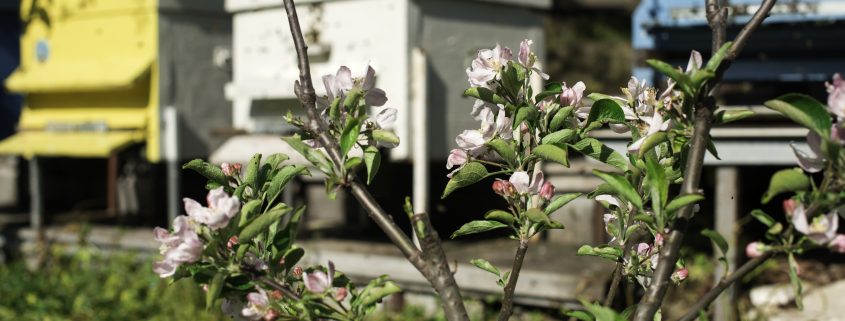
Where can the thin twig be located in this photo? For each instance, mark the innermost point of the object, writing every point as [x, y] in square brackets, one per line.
[711, 295]
[443, 283]
[280, 287]
[653, 297]
[510, 287]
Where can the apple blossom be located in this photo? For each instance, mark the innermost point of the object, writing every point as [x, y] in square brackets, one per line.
[318, 281]
[221, 208]
[572, 96]
[527, 58]
[680, 275]
[755, 249]
[232, 242]
[258, 305]
[503, 188]
[297, 271]
[547, 191]
[181, 246]
[340, 294]
[342, 82]
[487, 65]
[836, 96]
[655, 124]
[838, 243]
[812, 162]
[789, 207]
[821, 230]
[520, 181]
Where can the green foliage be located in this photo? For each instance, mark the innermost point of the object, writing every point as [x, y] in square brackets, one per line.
[804, 110]
[593, 148]
[787, 180]
[470, 174]
[552, 153]
[87, 286]
[477, 226]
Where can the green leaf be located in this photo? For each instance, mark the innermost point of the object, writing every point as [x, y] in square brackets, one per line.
[593, 148]
[580, 315]
[621, 187]
[552, 153]
[350, 136]
[652, 141]
[606, 111]
[602, 313]
[560, 117]
[470, 174]
[385, 136]
[261, 223]
[804, 110]
[658, 185]
[486, 266]
[683, 80]
[275, 160]
[485, 95]
[351, 163]
[786, 180]
[504, 150]
[763, 217]
[500, 216]
[372, 158]
[251, 174]
[683, 200]
[292, 256]
[282, 178]
[537, 216]
[559, 201]
[718, 57]
[207, 170]
[353, 96]
[315, 157]
[796, 282]
[249, 210]
[600, 96]
[717, 239]
[526, 113]
[214, 289]
[559, 137]
[604, 251]
[554, 88]
[375, 294]
[723, 116]
[477, 226]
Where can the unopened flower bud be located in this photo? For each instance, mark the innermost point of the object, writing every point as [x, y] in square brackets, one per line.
[232, 242]
[227, 169]
[271, 315]
[205, 287]
[789, 207]
[276, 295]
[658, 240]
[755, 249]
[237, 167]
[547, 191]
[503, 188]
[340, 294]
[297, 271]
[680, 275]
[838, 243]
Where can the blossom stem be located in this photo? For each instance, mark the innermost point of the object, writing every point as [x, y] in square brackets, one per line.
[717, 18]
[711, 295]
[510, 287]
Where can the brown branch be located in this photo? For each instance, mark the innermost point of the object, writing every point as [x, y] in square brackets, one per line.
[711, 295]
[510, 287]
[279, 287]
[433, 270]
[653, 297]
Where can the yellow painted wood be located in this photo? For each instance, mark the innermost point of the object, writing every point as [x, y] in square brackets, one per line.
[71, 144]
[101, 70]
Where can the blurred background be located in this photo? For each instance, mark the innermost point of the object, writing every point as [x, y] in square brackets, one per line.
[103, 100]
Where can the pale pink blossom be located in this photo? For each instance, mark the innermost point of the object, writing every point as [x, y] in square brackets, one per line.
[520, 181]
[680, 275]
[487, 65]
[528, 58]
[503, 188]
[228, 169]
[789, 207]
[812, 162]
[319, 281]
[342, 82]
[755, 249]
[655, 125]
[821, 230]
[547, 191]
[572, 96]
[838, 243]
[258, 305]
[221, 208]
[341, 294]
[181, 246]
[836, 96]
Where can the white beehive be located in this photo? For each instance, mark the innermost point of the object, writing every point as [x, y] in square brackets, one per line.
[355, 33]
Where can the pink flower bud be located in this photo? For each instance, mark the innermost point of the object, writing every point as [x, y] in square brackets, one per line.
[680, 275]
[547, 190]
[658, 240]
[232, 242]
[838, 243]
[503, 188]
[297, 271]
[276, 295]
[340, 294]
[789, 207]
[227, 169]
[755, 249]
[237, 167]
[271, 315]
